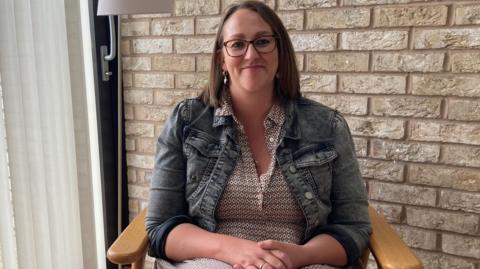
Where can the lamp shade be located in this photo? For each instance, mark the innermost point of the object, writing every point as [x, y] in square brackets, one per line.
[117, 7]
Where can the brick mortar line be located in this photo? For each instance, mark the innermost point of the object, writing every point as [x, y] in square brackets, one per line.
[444, 108]
[399, 5]
[439, 239]
[339, 30]
[353, 29]
[384, 95]
[429, 207]
[440, 252]
[400, 162]
[156, 72]
[394, 5]
[385, 73]
[392, 73]
[357, 116]
[438, 191]
[415, 227]
[370, 62]
[305, 20]
[338, 84]
[447, 62]
[435, 143]
[431, 27]
[418, 119]
[416, 207]
[324, 52]
[154, 90]
[372, 17]
[439, 50]
[392, 51]
[425, 163]
[478, 228]
[406, 172]
[407, 129]
[411, 38]
[450, 121]
[369, 106]
[451, 14]
[409, 85]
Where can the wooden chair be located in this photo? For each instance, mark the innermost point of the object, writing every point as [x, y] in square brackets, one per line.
[389, 251]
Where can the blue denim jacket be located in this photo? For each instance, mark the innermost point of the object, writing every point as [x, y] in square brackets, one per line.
[197, 151]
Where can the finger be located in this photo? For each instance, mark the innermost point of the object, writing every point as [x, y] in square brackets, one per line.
[283, 257]
[268, 244]
[266, 266]
[272, 262]
[238, 266]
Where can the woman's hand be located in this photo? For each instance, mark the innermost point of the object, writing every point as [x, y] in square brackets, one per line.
[246, 254]
[321, 249]
[290, 253]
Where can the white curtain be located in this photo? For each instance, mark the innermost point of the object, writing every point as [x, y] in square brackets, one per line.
[47, 183]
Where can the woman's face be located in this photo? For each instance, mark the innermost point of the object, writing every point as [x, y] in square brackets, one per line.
[253, 71]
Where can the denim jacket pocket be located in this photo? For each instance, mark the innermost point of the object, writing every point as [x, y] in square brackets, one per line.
[202, 153]
[316, 167]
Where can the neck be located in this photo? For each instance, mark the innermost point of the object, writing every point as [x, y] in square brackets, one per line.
[252, 107]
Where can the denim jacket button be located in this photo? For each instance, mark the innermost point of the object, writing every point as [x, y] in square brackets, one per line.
[308, 195]
[292, 169]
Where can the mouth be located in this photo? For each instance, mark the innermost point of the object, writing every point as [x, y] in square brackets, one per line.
[253, 66]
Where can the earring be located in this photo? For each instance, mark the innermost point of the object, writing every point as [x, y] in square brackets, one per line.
[225, 77]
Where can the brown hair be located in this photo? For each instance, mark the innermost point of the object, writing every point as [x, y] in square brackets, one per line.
[287, 82]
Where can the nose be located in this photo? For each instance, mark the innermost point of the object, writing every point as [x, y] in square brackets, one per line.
[251, 52]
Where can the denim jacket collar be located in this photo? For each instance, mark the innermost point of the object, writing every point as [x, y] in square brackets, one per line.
[291, 126]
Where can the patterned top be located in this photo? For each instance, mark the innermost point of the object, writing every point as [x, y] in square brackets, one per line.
[259, 207]
[254, 207]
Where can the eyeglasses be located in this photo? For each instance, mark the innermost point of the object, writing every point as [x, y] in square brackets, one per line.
[238, 47]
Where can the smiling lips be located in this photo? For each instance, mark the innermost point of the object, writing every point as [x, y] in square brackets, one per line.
[253, 66]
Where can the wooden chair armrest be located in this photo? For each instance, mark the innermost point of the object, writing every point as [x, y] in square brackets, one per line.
[387, 247]
[131, 245]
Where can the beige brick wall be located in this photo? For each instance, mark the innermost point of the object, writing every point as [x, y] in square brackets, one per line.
[406, 74]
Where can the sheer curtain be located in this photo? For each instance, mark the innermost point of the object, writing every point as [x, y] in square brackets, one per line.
[48, 155]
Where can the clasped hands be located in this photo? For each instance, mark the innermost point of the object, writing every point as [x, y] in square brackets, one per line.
[268, 254]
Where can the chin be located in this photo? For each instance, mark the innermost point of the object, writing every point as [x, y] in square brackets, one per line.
[254, 86]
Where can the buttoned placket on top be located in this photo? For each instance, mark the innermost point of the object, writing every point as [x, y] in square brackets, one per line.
[259, 207]
[273, 125]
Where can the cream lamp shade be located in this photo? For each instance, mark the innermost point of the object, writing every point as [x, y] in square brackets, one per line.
[117, 7]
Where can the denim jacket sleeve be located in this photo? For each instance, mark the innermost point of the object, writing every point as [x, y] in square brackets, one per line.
[348, 222]
[166, 203]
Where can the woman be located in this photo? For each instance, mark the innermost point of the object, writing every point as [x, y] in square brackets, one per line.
[250, 174]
